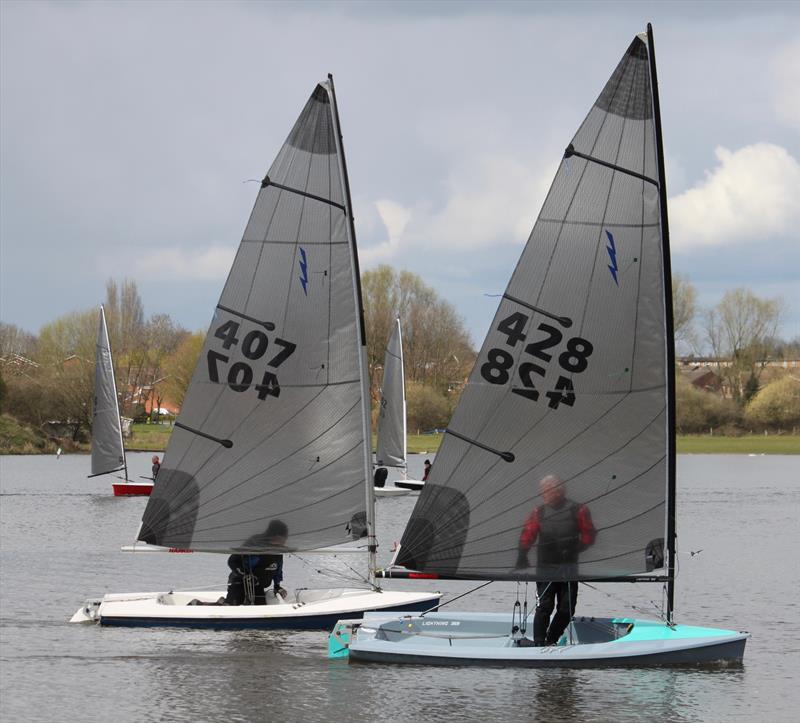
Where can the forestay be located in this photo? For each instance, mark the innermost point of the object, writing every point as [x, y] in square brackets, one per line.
[108, 454]
[572, 377]
[272, 426]
[392, 414]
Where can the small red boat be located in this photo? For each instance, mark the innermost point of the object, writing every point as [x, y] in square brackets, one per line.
[125, 488]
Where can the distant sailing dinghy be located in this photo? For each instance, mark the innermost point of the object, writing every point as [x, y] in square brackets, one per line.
[108, 452]
[392, 421]
[275, 423]
[575, 379]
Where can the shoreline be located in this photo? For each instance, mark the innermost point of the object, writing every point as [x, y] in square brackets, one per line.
[781, 444]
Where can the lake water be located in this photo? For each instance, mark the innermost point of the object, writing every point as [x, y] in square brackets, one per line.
[60, 535]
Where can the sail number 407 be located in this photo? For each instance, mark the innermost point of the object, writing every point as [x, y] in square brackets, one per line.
[254, 347]
[574, 359]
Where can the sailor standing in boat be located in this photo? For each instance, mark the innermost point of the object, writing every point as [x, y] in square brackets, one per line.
[564, 529]
[156, 465]
[252, 574]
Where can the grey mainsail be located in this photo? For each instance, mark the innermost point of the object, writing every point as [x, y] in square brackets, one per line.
[573, 378]
[108, 454]
[273, 426]
[392, 413]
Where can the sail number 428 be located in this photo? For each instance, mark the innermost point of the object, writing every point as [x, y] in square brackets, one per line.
[574, 359]
[254, 347]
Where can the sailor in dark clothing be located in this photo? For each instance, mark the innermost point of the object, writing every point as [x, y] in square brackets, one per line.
[563, 529]
[156, 465]
[251, 574]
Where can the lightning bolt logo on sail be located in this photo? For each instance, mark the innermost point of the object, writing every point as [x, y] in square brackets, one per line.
[304, 270]
[612, 255]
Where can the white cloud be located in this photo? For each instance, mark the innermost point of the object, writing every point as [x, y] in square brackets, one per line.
[489, 199]
[395, 218]
[177, 264]
[786, 82]
[750, 196]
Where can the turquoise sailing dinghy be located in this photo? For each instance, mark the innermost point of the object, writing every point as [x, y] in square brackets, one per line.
[274, 433]
[573, 391]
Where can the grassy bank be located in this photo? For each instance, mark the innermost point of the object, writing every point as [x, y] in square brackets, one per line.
[16, 438]
[149, 437]
[747, 444]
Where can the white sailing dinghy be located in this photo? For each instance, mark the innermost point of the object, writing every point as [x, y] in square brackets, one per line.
[108, 451]
[392, 449]
[275, 422]
[575, 379]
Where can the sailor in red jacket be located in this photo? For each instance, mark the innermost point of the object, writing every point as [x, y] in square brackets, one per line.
[563, 529]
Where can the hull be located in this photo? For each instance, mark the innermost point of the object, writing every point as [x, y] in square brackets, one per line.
[390, 492]
[126, 489]
[307, 610]
[484, 639]
[415, 485]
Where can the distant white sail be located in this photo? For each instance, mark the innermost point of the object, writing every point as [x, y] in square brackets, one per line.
[392, 413]
[273, 424]
[108, 454]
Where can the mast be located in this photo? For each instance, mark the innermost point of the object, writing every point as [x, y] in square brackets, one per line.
[372, 545]
[670, 334]
[403, 386]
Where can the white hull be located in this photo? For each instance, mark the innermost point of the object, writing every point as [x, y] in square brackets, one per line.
[305, 609]
[390, 491]
[486, 639]
[414, 485]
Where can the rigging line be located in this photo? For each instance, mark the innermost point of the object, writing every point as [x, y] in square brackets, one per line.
[439, 606]
[358, 576]
[570, 151]
[565, 321]
[625, 603]
[268, 325]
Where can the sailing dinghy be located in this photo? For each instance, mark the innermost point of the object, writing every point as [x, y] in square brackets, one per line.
[576, 380]
[275, 424]
[392, 444]
[108, 452]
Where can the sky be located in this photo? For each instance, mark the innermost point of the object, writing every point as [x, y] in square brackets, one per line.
[129, 132]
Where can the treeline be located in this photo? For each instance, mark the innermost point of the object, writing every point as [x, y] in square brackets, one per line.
[50, 377]
[752, 383]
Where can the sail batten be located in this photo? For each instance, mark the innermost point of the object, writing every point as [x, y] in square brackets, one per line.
[279, 375]
[572, 379]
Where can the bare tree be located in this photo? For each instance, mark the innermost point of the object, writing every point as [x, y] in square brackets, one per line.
[126, 331]
[739, 330]
[436, 347]
[180, 365]
[684, 309]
